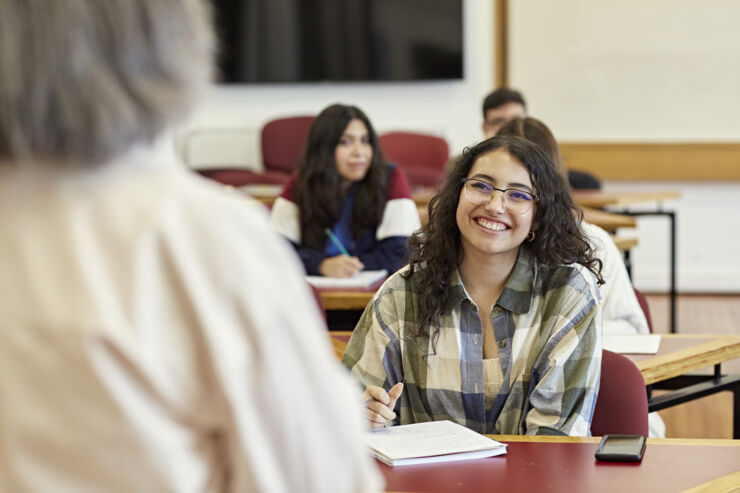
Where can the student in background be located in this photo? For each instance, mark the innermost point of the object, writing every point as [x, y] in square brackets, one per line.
[344, 185]
[156, 334]
[496, 321]
[621, 311]
[505, 104]
[499, 107]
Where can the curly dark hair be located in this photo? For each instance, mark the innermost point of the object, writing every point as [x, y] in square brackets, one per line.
[559, 239]
[318, 184]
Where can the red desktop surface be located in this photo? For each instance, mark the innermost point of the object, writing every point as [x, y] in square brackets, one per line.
[569, 467]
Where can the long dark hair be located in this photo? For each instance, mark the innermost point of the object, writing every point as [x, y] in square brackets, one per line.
[558, 236]
[318, 183]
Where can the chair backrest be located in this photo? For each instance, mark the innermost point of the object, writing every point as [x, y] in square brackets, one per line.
[283, 141]
[422, 157]
[642, 300]
[621, 406]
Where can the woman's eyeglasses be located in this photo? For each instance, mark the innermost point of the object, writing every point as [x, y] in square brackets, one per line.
[514, 200]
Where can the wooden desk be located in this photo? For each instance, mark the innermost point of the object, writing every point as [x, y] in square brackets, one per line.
[680, 354]
[561, 464]
[608, 220]
[422, 196]
[676, 368]
[348, 299]
[599, 199]
[624, 244]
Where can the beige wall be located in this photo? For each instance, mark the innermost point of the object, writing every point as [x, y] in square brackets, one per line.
[646, 72]
[634, 70]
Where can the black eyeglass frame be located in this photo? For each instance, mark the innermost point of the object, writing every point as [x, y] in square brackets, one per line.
[535, 198]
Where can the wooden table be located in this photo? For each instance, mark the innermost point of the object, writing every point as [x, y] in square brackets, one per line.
[608, 220]
[677, 367]
[680, 354]
[348, 299]
[567, 464]
[600, 200]
[623, 243]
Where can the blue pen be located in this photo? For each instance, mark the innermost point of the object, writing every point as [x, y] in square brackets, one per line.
[336, 242]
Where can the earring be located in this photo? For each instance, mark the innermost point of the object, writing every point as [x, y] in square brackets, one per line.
[530, 236]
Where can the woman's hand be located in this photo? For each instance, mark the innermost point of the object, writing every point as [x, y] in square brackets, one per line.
[340, 266]
[379, 404]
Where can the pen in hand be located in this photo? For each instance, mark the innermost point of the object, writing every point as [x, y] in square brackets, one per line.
[336, 242]
[379, 404]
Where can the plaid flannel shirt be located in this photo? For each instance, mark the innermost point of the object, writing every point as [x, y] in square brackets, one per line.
[547, 324]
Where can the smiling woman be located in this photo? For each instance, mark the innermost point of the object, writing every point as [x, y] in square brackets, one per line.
[495, 323]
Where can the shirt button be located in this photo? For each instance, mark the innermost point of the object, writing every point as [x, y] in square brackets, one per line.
[502, 344]
[476, 387]
[476, 338]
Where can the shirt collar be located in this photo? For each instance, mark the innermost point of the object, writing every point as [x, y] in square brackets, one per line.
[518, 291]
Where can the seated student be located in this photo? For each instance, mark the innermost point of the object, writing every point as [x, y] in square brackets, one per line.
[156, 335]
[344, 185]
[621, 311]
[496, 321]
[504, 104]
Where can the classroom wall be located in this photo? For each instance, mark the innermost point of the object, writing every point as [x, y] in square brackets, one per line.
[447, 108]
[635, 71]
[708, 225]
[661, 70]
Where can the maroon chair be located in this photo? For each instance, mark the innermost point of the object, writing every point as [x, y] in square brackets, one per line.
[622, 405]
[642, 300]
[282, 142]
[422, 157]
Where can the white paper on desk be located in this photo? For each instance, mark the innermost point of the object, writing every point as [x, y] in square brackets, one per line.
[632, 343]
[435, 441]
[362, 279]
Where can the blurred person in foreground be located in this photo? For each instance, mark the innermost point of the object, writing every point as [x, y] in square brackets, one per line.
[147, 343]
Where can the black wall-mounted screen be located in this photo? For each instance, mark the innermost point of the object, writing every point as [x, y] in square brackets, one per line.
[266, 41]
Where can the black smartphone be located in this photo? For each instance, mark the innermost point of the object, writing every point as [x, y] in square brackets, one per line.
[621, 448]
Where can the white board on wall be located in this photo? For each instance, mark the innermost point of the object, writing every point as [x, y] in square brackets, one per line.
[635, 70]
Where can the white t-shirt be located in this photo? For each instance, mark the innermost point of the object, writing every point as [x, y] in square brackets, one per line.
[621, 310]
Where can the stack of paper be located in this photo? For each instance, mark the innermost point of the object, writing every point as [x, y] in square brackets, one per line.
[436, 441]
[362, 279]
[632, 343]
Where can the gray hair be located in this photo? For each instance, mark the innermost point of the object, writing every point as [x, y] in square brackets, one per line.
[82, 81]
